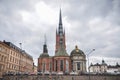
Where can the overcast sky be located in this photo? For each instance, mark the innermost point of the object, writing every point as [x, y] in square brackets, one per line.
[90, 24]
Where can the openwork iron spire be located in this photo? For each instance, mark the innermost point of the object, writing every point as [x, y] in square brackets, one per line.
[60, 18]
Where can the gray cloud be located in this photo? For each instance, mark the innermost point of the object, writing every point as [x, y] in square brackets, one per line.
[88, 24]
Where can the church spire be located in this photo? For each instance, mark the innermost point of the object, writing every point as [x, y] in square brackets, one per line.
[60, 18]
[45, 50]
[60, 34]
[60, 24]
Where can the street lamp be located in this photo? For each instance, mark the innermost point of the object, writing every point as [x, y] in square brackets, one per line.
[88, 62]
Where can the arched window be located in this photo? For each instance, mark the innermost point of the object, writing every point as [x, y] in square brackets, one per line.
[44, 66]
[78, 65]
[50, 66]
[61, 65]
[56, 65]
[67, 65]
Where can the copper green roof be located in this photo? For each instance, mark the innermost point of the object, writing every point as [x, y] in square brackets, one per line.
[44, 55]
[61, 52]
[77, 51]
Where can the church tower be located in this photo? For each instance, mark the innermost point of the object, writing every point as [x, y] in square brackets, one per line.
[61, 58]
[60, 35]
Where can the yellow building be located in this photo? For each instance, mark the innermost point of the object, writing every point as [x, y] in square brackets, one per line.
[13, 59]
[3, 58]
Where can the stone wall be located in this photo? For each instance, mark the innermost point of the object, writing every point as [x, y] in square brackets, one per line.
[84, 77]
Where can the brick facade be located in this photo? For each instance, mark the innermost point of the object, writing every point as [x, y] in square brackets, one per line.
[47, 62]
[61, 62]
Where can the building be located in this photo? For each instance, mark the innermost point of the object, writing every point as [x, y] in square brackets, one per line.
[13, 59]
[4, 49]
[113, 68]
[98, 68]
[104, 68]
[60, 35]
[34, 69]
[61, 57]
[61, 62]
[95, 68]
[78, 60]
[45, 61]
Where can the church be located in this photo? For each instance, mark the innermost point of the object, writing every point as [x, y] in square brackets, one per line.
[61, 62]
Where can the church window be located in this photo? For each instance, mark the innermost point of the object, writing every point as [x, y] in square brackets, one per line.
[61, 65]
[50, 66]
[56, 65]
[67, 65]
[43, 66]
[78, 65]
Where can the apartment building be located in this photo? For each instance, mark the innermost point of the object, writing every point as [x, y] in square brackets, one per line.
[4, 49]
[13, 59]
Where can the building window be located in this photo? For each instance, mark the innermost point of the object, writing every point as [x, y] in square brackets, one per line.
[78, 65]
[2, 58]
[8, 66]
[56, 65]
[61, 65]
[0, 48]
[67, 65]
[72, 64]
[50, 66]
[44, 67]
[0, 67]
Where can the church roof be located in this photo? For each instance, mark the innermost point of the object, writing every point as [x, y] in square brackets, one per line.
[61, 52]
[45, 50]
[103, 62]
[44, 55]
[77, 51]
